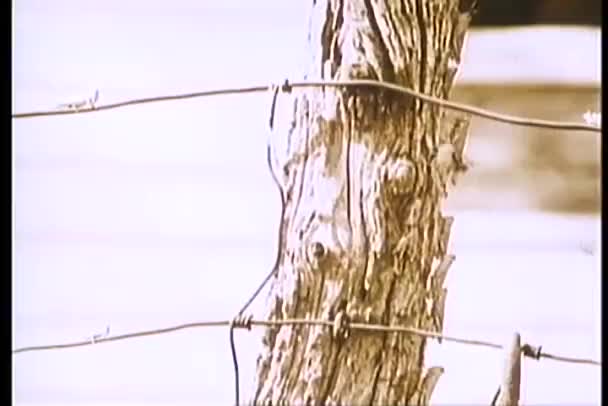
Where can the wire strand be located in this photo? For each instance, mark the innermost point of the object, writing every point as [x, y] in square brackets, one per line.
[248, 323]
[120, 337]
[464, 108]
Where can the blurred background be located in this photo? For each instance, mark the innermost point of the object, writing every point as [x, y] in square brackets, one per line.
[145, 217]
[538, 59]
[495, 13]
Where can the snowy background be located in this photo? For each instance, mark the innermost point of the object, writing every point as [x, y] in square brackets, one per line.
[155, 215]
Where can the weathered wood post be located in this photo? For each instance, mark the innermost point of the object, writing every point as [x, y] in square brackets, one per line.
[508, 391]
[364, 172]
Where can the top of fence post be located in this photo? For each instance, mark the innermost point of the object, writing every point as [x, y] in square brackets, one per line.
[508, 393]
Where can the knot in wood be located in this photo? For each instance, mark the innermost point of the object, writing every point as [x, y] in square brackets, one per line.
[316, 254]
[398, 169]
[359, 70]
[317, 250]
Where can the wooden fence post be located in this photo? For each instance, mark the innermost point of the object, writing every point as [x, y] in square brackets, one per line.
[364, 173]
[508, 393]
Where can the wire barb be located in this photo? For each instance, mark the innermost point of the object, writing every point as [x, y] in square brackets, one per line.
[80, 105]
[241, 321]
[531, 351]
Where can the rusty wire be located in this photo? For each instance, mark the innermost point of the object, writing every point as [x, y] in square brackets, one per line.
[475, 111]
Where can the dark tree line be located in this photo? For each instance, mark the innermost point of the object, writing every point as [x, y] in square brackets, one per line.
[526, 12]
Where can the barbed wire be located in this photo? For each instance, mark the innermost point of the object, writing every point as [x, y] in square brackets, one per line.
[247, 323]
[461, 107]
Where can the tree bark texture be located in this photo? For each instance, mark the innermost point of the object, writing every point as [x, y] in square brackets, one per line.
[364, 173]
